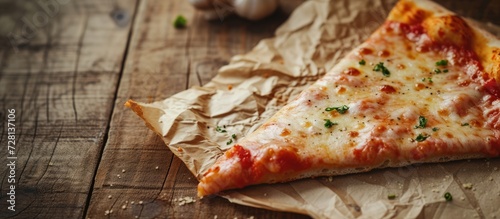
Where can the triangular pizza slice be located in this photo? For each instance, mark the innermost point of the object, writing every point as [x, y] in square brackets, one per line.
[423, 88]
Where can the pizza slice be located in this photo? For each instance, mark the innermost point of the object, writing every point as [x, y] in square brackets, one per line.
[423, 88]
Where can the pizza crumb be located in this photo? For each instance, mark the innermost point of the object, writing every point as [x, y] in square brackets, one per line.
[215, 216]
[106, 212]
[251, 217]
[140, 202]
[189, 200]
[109, 196]
[462, 198]
[265, 194]
[136, 216]
[330, 179]
[179, 149]
[467, 185]
[157, 167]
[132, 202]
[123, 170]
[184, 200]
[124, 207]
[491, 178]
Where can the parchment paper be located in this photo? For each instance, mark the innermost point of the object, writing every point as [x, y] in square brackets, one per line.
[255, 85]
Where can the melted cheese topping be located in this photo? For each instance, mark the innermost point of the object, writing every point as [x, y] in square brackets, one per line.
[403, 105]
[384, 110]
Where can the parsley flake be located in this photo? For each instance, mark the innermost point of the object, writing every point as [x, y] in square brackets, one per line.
[442, 62]
[229, 142]
[448, 196]
[445, 70]
[421, 137]
[437, 70]
[329, 124]
[362, 62]
[341, 109]
[435, 129]
[180, 22]
[422, 122]
[380, 67]
[233, 136]
[465, 124]
[391, 196]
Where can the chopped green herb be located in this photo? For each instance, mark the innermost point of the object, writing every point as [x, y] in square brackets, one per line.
[341, 109]
[233, 136]
[391, 196]
[422, 122]
[423, 79]
[430, 80]
[435, 129]
[329, 124]
[421, 137]
[229, 142]
[443, 62]
[380, 67]
[445, 70]
[448, 196]
[437, 70]
[180, 22]
[219, 129]
[465, 124]
[362, 62]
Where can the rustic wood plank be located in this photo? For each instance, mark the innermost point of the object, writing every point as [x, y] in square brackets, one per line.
[59, 71]
[136, 165]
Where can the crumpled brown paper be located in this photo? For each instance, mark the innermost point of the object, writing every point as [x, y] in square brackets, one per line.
[255, 85]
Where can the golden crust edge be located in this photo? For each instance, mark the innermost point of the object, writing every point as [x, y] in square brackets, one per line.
[485, 45]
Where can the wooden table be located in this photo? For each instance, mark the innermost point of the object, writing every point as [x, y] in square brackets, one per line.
[67, 67]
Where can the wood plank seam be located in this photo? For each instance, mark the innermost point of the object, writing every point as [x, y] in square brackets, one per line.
[108, 126]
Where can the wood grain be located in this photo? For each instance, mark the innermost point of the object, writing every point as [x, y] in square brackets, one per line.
[136, 165]
[61, 80]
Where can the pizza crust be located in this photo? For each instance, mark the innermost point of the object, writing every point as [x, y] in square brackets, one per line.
[437, 21]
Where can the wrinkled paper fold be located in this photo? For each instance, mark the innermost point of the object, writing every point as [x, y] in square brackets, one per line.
[255, 85]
